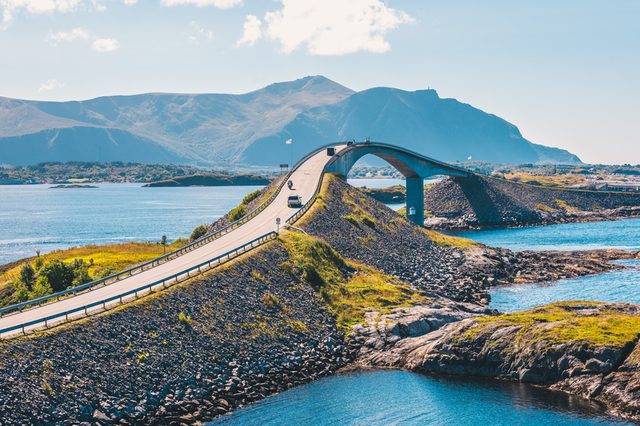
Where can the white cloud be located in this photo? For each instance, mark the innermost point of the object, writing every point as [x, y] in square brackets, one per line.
[197, 32]
[220, 4]
[10, 7]
[103, 45]
[252, 31]
[66, 36]
[334, 27]
[97, 6]
[129, 2]
[50, 85]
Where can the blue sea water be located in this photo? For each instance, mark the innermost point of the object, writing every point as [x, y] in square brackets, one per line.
[616, 286]
[622, 234]
[36, 217]
[403, 398]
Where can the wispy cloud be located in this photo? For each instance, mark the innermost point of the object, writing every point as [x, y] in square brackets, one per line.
[104, 45]
[220, 4]
[198, 33]
[50, 85]
[252, 31]
[78, 33]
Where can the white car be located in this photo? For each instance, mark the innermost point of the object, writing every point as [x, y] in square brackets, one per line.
[294, 201]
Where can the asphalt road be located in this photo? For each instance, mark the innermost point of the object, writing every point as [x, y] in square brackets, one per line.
[305, 179]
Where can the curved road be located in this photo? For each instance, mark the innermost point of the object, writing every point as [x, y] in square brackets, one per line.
[305, 179]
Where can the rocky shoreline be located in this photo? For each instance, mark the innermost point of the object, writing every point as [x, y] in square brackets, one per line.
[486, 202]
[540, 346]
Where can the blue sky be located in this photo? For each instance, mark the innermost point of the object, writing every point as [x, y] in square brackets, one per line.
[566, 72]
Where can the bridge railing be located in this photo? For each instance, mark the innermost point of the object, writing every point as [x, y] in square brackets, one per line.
[103, 304]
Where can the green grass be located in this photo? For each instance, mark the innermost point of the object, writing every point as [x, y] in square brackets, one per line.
[347, 287]
[545, 208]
[564, 205]
[565, 322]
[271, 300]
[185, 319]
[443, 240]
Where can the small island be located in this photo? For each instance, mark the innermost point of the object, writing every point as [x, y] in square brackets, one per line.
[211, 180]
[72, 186]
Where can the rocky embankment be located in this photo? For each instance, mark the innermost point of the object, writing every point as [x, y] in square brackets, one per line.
[189, 353]
[363, 229]
[589, 349]
[483, 201]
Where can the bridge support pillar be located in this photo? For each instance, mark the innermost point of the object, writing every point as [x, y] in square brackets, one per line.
[415, 200]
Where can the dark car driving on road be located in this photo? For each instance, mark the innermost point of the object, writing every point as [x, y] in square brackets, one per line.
[294, 201]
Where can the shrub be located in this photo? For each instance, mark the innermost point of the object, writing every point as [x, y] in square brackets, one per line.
[57, 274]
[27, 275]
[250, 197]
[40, 289]
[198, 232]
[237, 213]
[80, 272]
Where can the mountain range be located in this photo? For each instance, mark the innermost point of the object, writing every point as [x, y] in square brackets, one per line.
[251, 129]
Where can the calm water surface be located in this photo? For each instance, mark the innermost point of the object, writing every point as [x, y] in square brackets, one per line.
[36, 217]
[616, 286]
[623, 234]
[402, 398]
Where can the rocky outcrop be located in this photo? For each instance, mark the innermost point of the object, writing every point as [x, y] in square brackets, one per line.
[586, 348]
[483, 201]
[211, 180]
[392, 195]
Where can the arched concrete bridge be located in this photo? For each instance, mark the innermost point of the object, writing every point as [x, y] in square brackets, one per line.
[413, 166]
[217, 248]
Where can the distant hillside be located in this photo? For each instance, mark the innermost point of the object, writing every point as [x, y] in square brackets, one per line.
[421, 121]
[250, 129]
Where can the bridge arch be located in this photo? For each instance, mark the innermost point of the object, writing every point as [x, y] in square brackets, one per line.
[413, 166]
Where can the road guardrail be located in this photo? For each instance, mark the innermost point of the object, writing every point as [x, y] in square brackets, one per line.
[86, 310]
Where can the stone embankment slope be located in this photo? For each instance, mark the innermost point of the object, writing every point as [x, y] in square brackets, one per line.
[491, 202]
[265, 322]
[361, 228]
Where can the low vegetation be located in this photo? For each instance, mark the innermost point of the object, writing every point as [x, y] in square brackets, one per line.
[240, 211]
[565, 322]
[444, 240]
[198, 232]
[185, 319]
[251, 196]
[349, 288]
[559, 180]
[42, 275]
